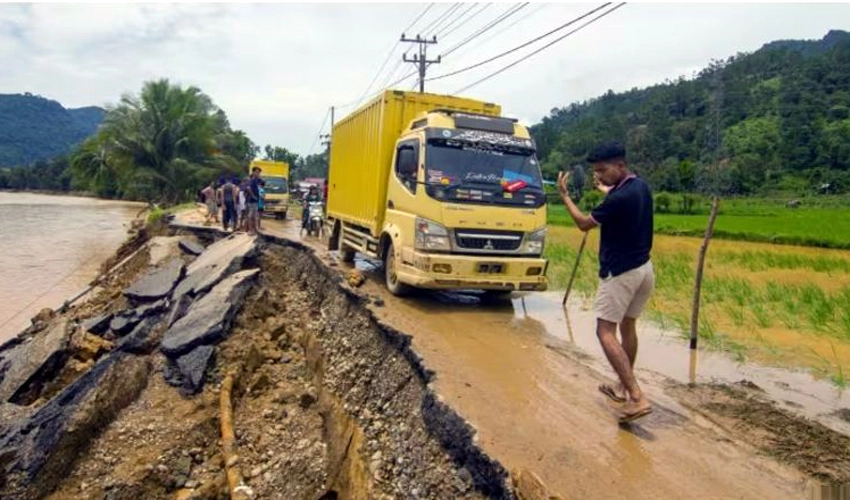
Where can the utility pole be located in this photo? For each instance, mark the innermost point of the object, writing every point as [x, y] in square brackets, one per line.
[421, 59]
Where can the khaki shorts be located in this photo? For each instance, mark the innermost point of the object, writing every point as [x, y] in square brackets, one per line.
[625, 295]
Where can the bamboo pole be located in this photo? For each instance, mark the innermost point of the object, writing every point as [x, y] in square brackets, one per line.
[703, 249]
[238, 490]
[575, 268]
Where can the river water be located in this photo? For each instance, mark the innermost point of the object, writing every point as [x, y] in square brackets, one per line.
[50, 248]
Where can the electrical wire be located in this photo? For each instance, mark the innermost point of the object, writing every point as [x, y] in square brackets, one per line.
[553, 42]
[518, 47]
[500, 18]
[455, 20]
[390, 54]
[319, 132]
[470, 18]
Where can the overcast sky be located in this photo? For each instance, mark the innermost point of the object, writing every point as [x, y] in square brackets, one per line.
[275, 69]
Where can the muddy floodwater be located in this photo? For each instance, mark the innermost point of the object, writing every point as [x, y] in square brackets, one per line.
[50, 248]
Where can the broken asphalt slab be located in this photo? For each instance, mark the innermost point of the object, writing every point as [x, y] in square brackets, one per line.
[156, 283]
[208, 319]
[191, 247]
[187, 371]
[219, 260]
[42, 449]
[39, 354]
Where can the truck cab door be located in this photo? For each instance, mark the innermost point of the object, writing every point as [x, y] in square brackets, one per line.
[401, 192]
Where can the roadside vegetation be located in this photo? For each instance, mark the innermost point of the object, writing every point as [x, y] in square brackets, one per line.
[819, 221]
[778, 304]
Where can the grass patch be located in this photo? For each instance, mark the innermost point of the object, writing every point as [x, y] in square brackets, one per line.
[824, 223]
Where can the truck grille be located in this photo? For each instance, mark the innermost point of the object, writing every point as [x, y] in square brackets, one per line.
[476, 239]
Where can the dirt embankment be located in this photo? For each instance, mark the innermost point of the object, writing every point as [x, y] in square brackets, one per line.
[327, 404]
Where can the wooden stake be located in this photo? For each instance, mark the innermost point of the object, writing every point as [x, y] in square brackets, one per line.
[575, 268]
[715, 204]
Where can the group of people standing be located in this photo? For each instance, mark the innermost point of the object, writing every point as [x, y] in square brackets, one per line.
[241, 203]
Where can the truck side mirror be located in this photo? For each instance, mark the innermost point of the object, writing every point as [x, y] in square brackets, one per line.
[406, 165]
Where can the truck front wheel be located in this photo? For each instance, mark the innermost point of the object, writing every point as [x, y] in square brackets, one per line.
[395, 287]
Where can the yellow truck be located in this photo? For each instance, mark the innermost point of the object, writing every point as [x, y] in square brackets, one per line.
[276, 176]
[442, 189]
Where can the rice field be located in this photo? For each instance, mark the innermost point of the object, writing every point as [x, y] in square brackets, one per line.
[777, 304]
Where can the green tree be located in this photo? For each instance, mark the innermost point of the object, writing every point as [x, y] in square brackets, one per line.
[161, 145]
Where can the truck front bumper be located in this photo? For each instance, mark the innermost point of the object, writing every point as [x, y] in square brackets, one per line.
[484, 272]
[276, 206]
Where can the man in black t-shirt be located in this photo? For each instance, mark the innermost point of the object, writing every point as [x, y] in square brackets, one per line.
[625, 270]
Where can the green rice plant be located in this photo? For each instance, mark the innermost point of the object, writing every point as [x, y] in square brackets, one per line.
[737, 315]
[706, 330]
[775, 292]
[818, 307]
[760, 314]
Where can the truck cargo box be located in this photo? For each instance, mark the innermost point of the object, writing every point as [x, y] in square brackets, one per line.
[362, 146]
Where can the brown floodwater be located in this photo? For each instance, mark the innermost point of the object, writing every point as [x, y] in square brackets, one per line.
[51, 247]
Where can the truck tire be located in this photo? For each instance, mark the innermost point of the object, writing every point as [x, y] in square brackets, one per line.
[394, 286]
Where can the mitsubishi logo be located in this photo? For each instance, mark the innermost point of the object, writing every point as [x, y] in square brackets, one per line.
[489, 245]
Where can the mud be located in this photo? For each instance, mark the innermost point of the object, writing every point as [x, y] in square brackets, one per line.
[743, 411]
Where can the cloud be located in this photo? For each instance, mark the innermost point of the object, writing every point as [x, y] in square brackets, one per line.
[275, 69]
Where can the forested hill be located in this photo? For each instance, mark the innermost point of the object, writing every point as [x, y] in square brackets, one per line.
[34, 128]
[783, 117]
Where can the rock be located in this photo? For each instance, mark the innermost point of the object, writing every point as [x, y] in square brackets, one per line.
[219, 260]
[123, 323]
[208, 320]
[355, 278]
[187, 372]
[43, 316]
[191, 247]
[97, 325]
[379, 302]
[88, 346]
[306, 400]
[156, 283]
[41, 452]
[24, 363]
[261, 383]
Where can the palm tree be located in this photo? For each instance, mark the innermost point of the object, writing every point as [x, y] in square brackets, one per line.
[163, 144]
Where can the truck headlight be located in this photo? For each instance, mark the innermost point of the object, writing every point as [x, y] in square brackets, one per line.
[534, 242]
[431, 236]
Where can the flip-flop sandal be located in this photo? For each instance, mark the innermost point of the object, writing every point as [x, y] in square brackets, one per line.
[630, 417]
[609, 391]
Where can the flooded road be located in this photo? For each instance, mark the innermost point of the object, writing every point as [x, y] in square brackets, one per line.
[524, 373]
[51, 247]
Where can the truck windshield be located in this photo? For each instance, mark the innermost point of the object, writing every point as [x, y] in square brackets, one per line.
[276, 185]
[463, 172]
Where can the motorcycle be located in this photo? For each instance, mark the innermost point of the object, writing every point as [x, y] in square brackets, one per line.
[315, 219]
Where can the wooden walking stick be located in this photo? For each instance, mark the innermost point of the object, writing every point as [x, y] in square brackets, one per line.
[575, 268]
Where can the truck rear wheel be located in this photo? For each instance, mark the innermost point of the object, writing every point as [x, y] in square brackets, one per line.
[395, 287]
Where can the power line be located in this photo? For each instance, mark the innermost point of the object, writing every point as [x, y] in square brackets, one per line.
[500, 18]
[470, 18]
[518, 47]
[392, 51]
[455, 20]
[506, 28]
[506, 14]
[319, 132]
[439, 18]
[553, 42]
[418, 17]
